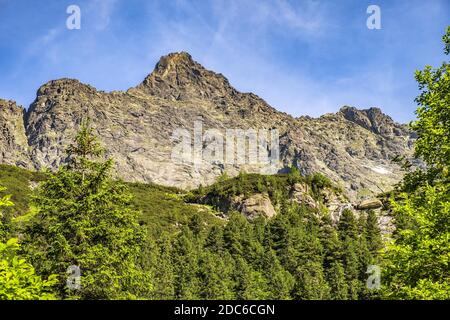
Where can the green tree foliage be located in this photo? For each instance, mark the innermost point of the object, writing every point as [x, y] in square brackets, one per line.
[360, 241]
[319, 181]
[160, 263]
[417, 261]
[215, 241]
[372, 234]
[299, 254]
[280, 282]
[312, 283]
[433, 113]
[332, 260]
[84, 218]
[18, 279]
[17, 182]
[215, 274]
[4, 203]
[303, 256]
[237, 235]
[295, 255]
[348, 226]
[186, 266]
[250, 284]
[335, 276]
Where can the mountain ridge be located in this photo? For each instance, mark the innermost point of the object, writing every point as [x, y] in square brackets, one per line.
[351, 146]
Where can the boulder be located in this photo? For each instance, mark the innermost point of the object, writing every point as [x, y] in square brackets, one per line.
[258, 205]
[369, 204]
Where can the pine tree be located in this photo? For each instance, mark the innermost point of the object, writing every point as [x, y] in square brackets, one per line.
[365, 259]
[277, 232]
[162, 267]
[330, 242]
[185, 257]
[84, 219]
[348, 233]
[348, 226]
[332, 253]
[214, 240]
[373, 234]
[215, 274]
[369, 245]
[335, 276]
[237, 235]
[259, 227]
[311, 283]
[250, 284]
[351, 265]
[280, 281]
[196, 225]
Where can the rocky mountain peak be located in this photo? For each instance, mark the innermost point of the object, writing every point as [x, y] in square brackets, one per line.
[64, 86]
[175, 60]
[178, 77]
[373, 119]
[8, 106]
[64, 90]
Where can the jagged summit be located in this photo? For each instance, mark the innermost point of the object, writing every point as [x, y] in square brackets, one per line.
[373, 119]
[66, 86]
[178, 77]
[373, 112]
[64, 89]
[175, 59]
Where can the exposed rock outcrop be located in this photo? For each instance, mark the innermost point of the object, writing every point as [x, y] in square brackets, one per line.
[258, 205]
[300, 194]
[13, 141]
[369, 204]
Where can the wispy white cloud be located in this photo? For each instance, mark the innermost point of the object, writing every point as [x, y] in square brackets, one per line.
[306, 16]
[102, 11]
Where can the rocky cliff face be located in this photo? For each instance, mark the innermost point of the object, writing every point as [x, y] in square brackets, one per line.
[13, 141]
[353, 147]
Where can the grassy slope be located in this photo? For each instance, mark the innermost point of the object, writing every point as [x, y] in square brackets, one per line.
[162, 208]
[165, 207]
[18, 182]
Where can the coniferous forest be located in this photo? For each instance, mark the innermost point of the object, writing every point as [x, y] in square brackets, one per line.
[144, 241]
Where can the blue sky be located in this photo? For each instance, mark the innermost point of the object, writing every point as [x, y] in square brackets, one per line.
[303, 57]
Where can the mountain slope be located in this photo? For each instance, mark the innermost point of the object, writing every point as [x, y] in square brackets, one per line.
[353, 147]
[13, 141]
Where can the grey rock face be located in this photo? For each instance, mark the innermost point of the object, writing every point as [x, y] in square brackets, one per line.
[301, 195]
[13, 141]
[258, 205]
[374, 120]
[352, 147]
